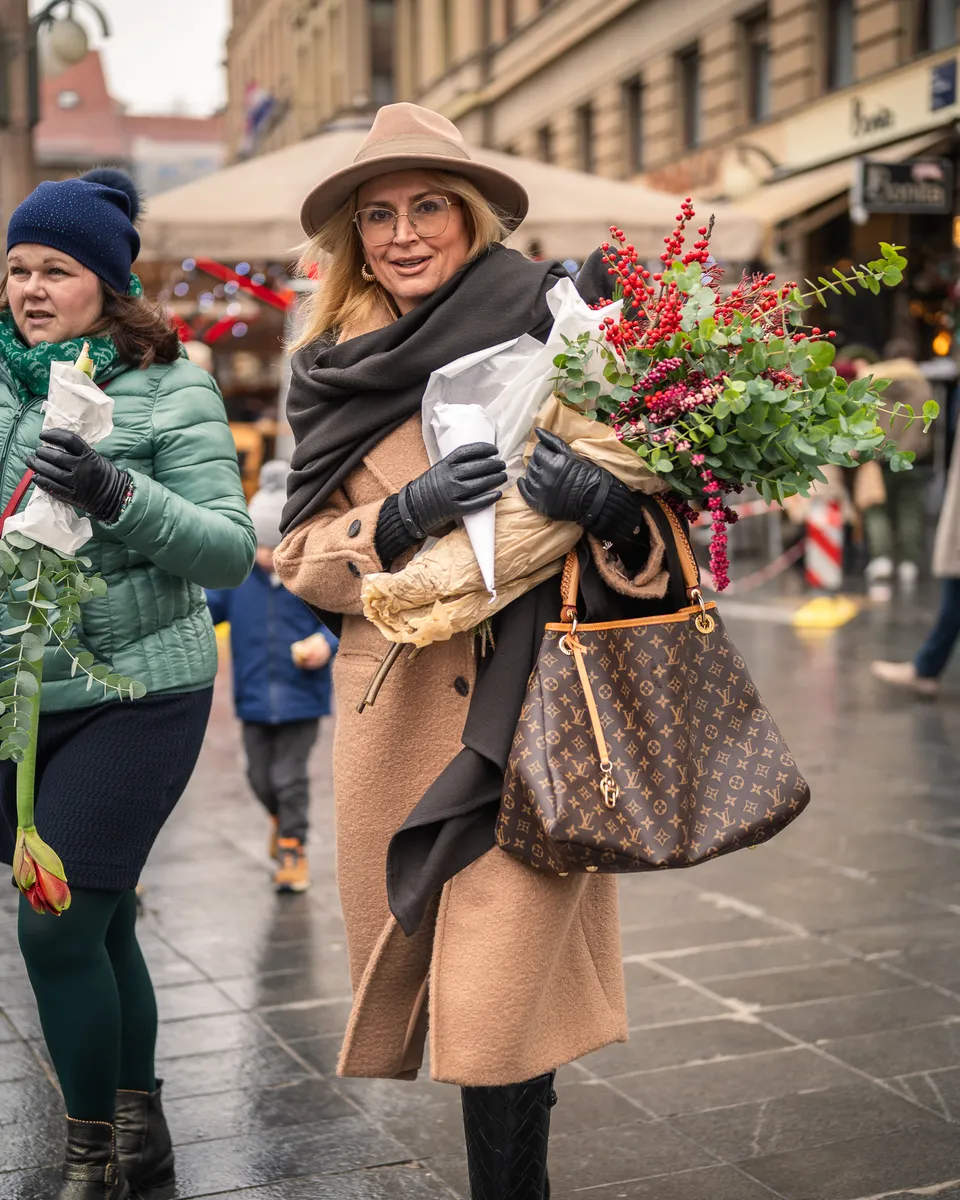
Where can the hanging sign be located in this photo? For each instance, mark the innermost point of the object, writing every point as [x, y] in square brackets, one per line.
[923, 185]
[943, 85]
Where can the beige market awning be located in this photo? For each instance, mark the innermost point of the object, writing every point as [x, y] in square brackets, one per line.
[779, 201]
[250, 210]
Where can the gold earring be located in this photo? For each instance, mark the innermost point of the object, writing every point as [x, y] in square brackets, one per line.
[367, 275]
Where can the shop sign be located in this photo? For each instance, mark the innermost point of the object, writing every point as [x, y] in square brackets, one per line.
[902, 104]
[943, 85]
[924, 185]
[865, 121]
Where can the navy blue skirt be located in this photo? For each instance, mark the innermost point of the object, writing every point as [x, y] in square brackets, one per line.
[107, 779]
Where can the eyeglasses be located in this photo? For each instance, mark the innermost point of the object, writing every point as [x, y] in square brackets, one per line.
[428, 218]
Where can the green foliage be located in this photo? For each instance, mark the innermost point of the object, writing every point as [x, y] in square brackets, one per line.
[779, 411]
[44, 592]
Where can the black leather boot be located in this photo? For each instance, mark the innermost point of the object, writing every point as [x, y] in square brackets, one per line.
[90, 1167]
[143, 1144]
[507, 1131]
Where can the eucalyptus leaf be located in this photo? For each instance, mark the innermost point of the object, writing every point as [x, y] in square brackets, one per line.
[27, 684]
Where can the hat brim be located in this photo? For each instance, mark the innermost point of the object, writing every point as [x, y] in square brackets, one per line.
[502, 191]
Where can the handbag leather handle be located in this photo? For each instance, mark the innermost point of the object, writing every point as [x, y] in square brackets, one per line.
[570, 581]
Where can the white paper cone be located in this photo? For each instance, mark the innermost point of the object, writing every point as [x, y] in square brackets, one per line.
[458, 425]
[74, 403]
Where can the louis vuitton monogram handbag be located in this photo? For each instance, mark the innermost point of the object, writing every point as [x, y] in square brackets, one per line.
[643, 744]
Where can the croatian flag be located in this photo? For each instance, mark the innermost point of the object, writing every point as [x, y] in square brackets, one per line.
[258, 104]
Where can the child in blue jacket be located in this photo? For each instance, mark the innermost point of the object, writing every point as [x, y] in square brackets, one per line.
[281, 684]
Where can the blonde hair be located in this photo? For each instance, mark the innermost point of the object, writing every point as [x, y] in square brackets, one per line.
[344, 302]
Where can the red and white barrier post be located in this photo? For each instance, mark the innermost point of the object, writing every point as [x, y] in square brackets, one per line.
[823, 556]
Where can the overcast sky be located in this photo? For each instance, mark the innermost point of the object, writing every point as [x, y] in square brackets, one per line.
[164, 55]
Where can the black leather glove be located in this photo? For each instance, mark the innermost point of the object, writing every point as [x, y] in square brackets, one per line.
[466, 481]
[563, 487]
[68, 469]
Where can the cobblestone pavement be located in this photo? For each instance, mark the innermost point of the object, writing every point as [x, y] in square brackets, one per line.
[795, 1010]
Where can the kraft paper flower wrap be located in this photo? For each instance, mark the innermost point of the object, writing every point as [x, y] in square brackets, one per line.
[44, 586]
[442, 591]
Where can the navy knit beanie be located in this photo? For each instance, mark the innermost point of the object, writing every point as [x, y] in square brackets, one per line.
[90, 218]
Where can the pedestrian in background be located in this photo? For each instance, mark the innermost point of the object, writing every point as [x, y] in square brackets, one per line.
[169, 518]
[281, 684]
[896, 526]
[923, 674]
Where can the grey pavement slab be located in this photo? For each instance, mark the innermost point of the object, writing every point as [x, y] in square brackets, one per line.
[794, 1012]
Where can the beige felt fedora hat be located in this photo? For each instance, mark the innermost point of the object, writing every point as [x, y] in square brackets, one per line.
[406, 136]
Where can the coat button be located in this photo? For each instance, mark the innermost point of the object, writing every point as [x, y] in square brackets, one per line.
[354, 529]
[461, 686]
[353, 569]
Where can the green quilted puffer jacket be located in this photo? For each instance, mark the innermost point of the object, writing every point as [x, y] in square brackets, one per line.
[185, 529]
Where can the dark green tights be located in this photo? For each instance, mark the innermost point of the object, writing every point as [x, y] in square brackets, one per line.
[95, 996]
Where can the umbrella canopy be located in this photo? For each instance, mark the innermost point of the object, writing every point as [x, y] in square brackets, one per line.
[250, 210]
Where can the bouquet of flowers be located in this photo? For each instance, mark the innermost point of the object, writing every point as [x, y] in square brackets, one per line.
[717, 392]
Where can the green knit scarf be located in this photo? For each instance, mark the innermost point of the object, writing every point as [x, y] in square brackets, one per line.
[30, 365]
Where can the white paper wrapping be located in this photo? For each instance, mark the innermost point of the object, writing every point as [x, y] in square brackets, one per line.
[456, 425]
[512, 380]
[74, 402]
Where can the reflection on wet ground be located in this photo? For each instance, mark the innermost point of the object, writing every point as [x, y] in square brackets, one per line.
[795, 1010]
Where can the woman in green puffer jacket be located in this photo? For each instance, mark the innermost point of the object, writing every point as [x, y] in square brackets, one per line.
[169, 518]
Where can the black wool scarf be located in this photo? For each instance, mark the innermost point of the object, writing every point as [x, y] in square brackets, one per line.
[344, 399]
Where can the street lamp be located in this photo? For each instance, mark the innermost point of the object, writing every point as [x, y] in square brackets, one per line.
[65, 43]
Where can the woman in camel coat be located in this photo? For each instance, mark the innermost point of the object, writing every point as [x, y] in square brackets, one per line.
[513, 972]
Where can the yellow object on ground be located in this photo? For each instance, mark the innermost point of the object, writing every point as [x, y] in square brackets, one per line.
[826, 612]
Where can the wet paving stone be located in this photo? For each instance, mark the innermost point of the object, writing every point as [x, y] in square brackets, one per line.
[209, 1074]
[873, 1012]
[204, 1035]
[795, 1122]
[768, 954]
[413, 1182]
[676, 1045]
[332, 1147]
[732, 1080]
[901, 1052]
[704, 1183]
[254, 1110]
[276, 989]
[917, 1157]
[807, 983]
[826, 937]
[669, 1003]
[308, 1019]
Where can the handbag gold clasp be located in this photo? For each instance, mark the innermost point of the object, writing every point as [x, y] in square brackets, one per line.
[569, 640]
[703, 620]
[608, 785]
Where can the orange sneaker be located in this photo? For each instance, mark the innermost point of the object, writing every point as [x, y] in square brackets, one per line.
[272, 842]
[292, 874]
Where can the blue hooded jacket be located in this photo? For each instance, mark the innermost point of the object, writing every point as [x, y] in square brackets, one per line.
[265, 620]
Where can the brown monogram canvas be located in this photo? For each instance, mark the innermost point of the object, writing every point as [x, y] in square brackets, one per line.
[700, 766]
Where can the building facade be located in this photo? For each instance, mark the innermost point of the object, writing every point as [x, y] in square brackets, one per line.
[297, 67]
[83, 126]
[772, 104]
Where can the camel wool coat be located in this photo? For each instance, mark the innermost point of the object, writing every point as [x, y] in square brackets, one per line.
[513, 972]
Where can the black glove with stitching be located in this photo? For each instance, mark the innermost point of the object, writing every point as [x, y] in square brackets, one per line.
[563, 487]
[67, 468]
[466, 481]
